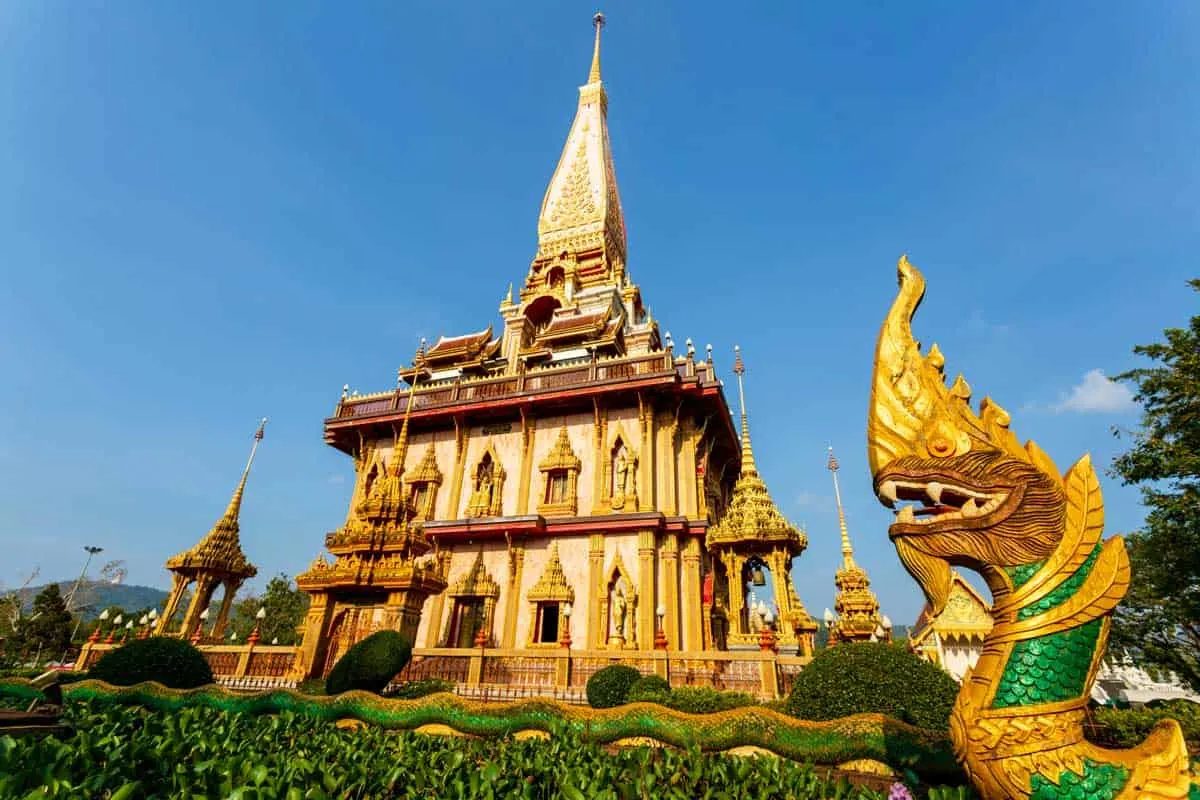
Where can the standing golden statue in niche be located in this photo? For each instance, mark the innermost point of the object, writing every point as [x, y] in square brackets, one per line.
[986, 503]
[624, 471]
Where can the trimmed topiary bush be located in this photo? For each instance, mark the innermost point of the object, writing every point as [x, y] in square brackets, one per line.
[647, 685]
[371, 664]
[172, 662]
[610, 685]
[874, 677]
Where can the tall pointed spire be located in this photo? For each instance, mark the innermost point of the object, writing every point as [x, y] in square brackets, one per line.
[739, 369]
[847, 550]
[235, 502]
[594, 74]
[857, 607]
[581, 212]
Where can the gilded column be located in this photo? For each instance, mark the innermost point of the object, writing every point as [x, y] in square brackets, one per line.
[316, 623]
[438, 607]
[668, 472]
[516, 567]
[596, 628]
[668, 576]
[528, 428]
[600, 458]
[688, 490]
[692, 631]
[646, 492]
[647, 596]
[734, 564]
[460, 453]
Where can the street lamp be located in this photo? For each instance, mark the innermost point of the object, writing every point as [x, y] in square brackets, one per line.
[660, 636]
[95, 637]
[198, 634]
[566, 636]
[144, 623]
[128, 628]
[91, 551]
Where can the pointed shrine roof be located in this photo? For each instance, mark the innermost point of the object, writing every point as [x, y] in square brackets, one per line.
[219, 553]
[752, 515]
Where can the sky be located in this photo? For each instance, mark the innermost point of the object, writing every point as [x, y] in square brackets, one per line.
[215, 212]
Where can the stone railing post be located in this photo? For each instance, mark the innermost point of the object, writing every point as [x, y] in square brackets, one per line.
[475, 667]
[660, 664]
[769, 668]
[243, 662]
[562, 669]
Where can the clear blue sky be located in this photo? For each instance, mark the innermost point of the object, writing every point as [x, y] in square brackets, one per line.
[218, 211]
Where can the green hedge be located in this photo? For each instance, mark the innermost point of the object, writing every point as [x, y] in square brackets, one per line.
[411, 690]
[874, 677]
[647, 684]
[123, 753]
[371, 664]
[696, 699]
[1129, 727]
[610, 686]
[170, 661]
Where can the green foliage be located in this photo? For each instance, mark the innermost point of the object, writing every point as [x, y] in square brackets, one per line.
[123, 752]
[170, 661]
[285, 607]
[696, 699]
[647, 684]
[1160, 617]
[1130, 727]
[610, 686]
[874, 677]
[45, 632]
[371, 664]
[411, 690]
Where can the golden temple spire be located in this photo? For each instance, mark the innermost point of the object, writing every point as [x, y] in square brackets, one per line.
[594, 74]
[235, 502]
[847, 550]
[581, 212]
[739, 369]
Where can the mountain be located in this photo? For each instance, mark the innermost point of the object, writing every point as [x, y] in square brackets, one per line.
[104, 595]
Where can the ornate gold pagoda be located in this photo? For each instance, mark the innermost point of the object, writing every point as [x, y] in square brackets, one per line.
[216, 560]
[753, 537]
[857, 608]
[380, 555]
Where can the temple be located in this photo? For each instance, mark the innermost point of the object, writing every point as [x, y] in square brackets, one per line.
[567, 478]
[855, 604]
[216, 561]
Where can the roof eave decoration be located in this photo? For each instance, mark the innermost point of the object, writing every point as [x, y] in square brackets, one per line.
[552, 586]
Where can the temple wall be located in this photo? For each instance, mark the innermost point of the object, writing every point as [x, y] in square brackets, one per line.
[580, 429]
[507, 448]
[573, 553]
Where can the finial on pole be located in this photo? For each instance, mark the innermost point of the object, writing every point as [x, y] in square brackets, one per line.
[594, 74]
[847, 550]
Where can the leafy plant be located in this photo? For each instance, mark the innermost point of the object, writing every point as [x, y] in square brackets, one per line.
[874, 677]
[124, 752]
[610, 686]
[371, 664]
[170, 661]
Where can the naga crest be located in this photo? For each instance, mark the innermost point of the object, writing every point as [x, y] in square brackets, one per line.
[979, 499]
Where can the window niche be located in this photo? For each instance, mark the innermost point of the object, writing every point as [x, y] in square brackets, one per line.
[620, 476]
[422, 483]
[547, 599]
[560, 479]
[473, 606]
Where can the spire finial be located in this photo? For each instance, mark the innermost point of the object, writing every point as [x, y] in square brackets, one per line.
[594, 75]
[739, 369]
[235, 502]
[847, 550]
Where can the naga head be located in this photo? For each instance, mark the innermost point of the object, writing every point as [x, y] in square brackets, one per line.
[966, 492]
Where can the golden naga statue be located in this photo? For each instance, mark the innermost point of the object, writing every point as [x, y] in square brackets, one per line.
[971, 496]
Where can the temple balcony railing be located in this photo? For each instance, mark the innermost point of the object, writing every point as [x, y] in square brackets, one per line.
[249, 666]
[553, 377]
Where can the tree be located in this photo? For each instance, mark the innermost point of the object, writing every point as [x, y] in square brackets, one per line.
[1160, 617]
[285, 609]
[46, 632]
